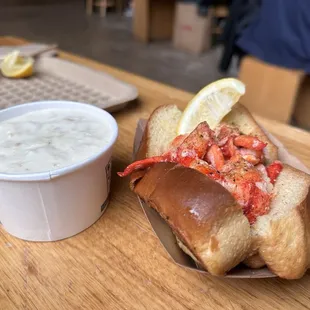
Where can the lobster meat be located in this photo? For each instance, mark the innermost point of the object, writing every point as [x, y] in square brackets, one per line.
[182, 150]
[228, 157]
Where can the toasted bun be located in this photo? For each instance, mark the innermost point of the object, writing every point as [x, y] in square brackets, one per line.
[242, 118]
[161, 129]
[187, 251]
[202, 214]
[254, 261]
[208, 223]
[283, 233]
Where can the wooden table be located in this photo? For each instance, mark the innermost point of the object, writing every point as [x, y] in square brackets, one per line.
[118, 263]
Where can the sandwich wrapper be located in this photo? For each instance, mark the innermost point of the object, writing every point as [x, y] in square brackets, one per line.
[167, 238]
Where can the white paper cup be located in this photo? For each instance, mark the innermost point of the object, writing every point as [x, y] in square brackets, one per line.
[58, 204]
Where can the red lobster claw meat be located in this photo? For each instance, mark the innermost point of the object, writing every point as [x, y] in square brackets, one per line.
[251, 156]
[273, 170]
[203, 167]
[229, 149]
[215, 157]
[194, 146]
[249, 142]
[144, 163]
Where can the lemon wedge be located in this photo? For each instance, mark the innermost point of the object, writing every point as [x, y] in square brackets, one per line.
[211, 104]
[16, 66]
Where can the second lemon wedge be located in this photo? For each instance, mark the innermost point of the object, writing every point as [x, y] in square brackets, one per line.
[211, 104]
[16, 66]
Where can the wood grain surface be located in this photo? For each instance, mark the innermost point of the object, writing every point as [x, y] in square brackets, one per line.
[118, 263]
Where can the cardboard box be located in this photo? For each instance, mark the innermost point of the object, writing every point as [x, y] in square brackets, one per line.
[167, 238]
[265, 96]
[153, 20]
[192, 32]
[302, 107]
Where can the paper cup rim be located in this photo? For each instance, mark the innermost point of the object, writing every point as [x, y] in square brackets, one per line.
[48, 175]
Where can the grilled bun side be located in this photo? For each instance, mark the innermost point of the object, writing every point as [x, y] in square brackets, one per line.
[160, 130]
[254, 261]
[283, 234]
[202, 214]
[240, 117]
